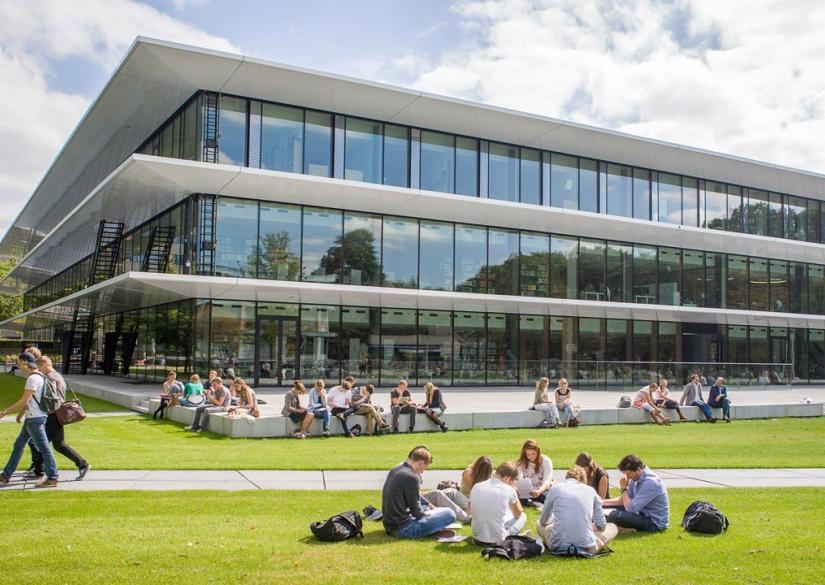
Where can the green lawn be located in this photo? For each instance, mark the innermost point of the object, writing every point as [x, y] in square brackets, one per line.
[263, 537]
[138, 442]
[11, 388]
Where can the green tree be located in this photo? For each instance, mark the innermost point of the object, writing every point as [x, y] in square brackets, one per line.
[10, 305]
[359, 255]
[277, 262]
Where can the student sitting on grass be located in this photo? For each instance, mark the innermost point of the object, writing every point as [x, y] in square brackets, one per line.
[401, 402]
[480, 470]
[597, 477]
[543, 402]
[218, 399]
[495, 507]
[644, 400]
[318, 405]
[191, 389]
[662, 400]
[538, 469]
[434, 405]
[643, 504]
[406, 515]
[718, 398]
[571, 512]
[296, 413]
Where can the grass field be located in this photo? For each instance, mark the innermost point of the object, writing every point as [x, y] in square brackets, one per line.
[11, 388]
[263, 537]
[138, 442]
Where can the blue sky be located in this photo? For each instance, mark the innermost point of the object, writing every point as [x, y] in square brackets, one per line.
[739, 76]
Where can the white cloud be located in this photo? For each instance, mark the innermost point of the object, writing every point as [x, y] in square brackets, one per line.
[37, 118]
[738, 76]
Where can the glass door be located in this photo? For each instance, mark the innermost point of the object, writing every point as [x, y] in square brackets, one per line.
[276, 343]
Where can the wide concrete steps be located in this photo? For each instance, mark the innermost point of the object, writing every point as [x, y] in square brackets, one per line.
[280, 426]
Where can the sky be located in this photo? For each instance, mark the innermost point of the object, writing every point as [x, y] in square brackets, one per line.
[736, 76]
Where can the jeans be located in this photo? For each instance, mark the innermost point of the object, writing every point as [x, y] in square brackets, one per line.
[203, 412]
[704, 408]
[669, 404]
[322, 413]
[724, 404]
[57, 437]
[185, 402]
[398, 410]
[343, 412]
[625, 519]
[566, 413]
[437, 519]
[450, 498]
[552, 411]
[514, 525]
[34, 429]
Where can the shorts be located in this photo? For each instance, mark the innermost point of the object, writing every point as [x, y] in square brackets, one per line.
[296, 417]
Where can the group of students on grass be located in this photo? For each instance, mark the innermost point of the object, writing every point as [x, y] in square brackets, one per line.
[576, 512]
[347, 399]
[41, 430]
[653, 398]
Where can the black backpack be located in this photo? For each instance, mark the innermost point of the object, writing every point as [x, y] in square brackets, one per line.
[571, 550]
[514, 548]
[340, 527]
[704, 517]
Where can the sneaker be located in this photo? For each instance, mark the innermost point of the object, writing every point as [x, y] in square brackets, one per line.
[200, 430]
[325, 432]
[47, 483]
[712, 419]
[727, 420]
[33, 474]
[446, 533]
[189, 428]
[623, 530]
[4, 479]
[296, 434]
[444, 428]
[303, 435]
[82, 471]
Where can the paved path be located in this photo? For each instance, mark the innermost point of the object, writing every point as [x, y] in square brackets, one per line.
[12, 417]
[373, 480]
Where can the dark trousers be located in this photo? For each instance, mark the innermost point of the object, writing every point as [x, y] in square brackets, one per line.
[398, 410]
[625, 519]
[57, 437]
[540, 499]
[344, 412]
[669, 404]
[724, 404]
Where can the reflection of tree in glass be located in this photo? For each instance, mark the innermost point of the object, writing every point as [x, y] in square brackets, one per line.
[276, 260]
[359, 255]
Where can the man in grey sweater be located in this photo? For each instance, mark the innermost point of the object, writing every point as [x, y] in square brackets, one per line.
[692, 396]
[406, 515]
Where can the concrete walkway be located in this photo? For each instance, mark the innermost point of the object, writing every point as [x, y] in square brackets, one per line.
[374, 480]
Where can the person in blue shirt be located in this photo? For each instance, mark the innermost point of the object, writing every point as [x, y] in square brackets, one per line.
[643, 504]
[719, 398]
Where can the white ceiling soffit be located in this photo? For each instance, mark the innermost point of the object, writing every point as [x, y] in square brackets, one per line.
[134, 290]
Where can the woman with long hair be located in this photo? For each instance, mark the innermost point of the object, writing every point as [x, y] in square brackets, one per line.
[480, 470]
[597, 477]
[538, 469]
[434, 405]
[564, 402]
[544, 403]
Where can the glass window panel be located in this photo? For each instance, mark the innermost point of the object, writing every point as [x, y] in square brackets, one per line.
[400, 257]
[816, 289]
[619, 272]
[321, 249]
[693, 278]
[644, 274]
[360, 343]
[530, 176]
[282, 138]
[588, 186]
[564, 262]
[399, 345]
[816, 355]
[437, 161]
[779, 285]
[190, 131]
[716, 206]
[166, 141]
[759, 351]
[670, 198]
[362, 249]
[814, 222]
[363, 148]
[799, 358]
[435, 347]
[466, 166]
[563, 347]
[533, 347]
[469, 338]
[798, 280]
[564, 181]
[737, 344]
[279, 255]
[776, 221]
[233, 335]
[619, 190]
[232, 128]
[503, 175]
[176, 136]
[591, 344]
[669, 342]
[757, 212]
[616, 348]
[670, 276]
[643, 341]
[470, 258]
[534, 264]
[318, 144]
[237, 238]
[396, 155]
[735, 214]
[435, 266]
[320, 336]
[795, 220]
[591, 270]
[690, 202]
[716, 279]
[502, 262]
[737, 282]
[758, 279]
[641, 194]
[502, 344]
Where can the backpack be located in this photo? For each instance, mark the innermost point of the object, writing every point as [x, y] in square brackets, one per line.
[340, 527]
[514, 548]
[625, 402]
[571, 550]
[52, 397]
[573, 421]
[704, 517]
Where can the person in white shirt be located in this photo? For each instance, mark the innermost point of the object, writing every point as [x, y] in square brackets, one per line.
[34, 426]
[538, 469]
[644, 400]
[571, 510]
[495, 508]
[338, 400]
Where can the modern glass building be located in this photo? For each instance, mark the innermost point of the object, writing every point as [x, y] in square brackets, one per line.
[213, 210]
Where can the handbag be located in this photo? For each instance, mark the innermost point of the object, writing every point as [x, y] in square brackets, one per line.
[70, 411]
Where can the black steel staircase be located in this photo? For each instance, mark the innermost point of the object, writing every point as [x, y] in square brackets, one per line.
[210, 128]
[156, 256]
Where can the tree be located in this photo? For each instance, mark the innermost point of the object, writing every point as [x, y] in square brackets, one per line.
[359, 255]
[10, 305]
[277, 262]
